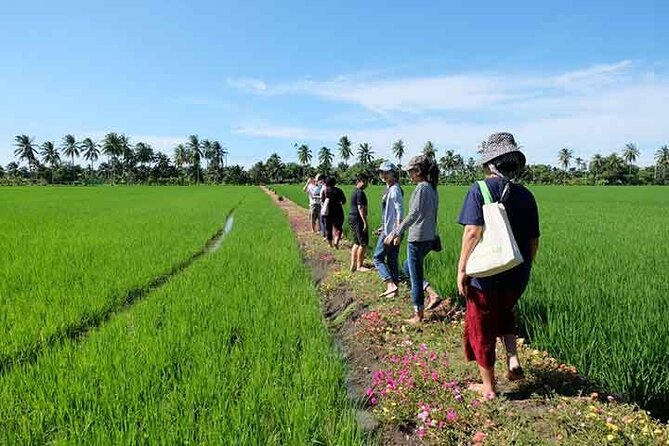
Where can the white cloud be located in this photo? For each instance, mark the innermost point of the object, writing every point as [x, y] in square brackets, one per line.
[595, 109]
[254, 85]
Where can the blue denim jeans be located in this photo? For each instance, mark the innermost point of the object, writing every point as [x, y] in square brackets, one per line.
[413, 267]
[386, 260]
[321, 224]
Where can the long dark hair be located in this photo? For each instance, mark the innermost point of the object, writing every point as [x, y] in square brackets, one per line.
[430, 171]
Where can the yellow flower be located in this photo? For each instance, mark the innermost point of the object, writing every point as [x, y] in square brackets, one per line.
[612, 426]
[610, 437]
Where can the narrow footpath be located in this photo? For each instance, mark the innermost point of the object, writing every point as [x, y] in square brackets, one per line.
[410, 383]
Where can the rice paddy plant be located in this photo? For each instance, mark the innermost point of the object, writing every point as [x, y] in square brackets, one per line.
[70, 255]
[599, 292]
[231, 351]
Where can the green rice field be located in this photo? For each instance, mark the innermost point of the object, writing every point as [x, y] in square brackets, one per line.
[599, 293]
[229, 348]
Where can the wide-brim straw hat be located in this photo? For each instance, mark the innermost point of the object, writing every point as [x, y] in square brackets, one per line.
[496, 145]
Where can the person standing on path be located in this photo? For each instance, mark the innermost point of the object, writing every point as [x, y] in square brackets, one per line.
[386, 257]
[357, 219]
[332, 209]
[313, 191]
[491, 301]
[421, 222]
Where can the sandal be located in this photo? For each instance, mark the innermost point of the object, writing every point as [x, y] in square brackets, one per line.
[390, 293]
[515, 374]
[433, 303]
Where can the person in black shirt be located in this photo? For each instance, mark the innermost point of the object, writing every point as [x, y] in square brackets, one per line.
[332, 200]
[357, 219]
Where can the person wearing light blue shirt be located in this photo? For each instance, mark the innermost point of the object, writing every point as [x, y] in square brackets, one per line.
[386, 256]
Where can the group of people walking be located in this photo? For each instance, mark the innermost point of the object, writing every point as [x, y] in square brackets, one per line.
[490, 301]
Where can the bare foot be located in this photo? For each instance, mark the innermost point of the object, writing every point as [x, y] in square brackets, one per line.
[390, 292]
[363, 269]
[488, 394]
[416, 320]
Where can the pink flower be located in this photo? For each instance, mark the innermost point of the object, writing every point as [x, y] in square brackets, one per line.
[373, 401]
[451, 415]
[476, 404]
[369, 391]
[435, 376]
[422, 348]
[479, 437]
[458, 397]
[420, 432]
[422, 416]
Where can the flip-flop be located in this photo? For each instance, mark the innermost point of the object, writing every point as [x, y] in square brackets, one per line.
[515, 374]
[434, 304]
[389, 293]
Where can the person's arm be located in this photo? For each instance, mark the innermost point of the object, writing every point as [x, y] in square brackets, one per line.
[304, 189]
[470, 238]
[362, 210]
[534, 247]
[398, 202]
[412, 215]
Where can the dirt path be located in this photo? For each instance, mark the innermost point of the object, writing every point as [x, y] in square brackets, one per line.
[410, 383]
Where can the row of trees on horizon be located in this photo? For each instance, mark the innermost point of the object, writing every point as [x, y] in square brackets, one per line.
[139, 163]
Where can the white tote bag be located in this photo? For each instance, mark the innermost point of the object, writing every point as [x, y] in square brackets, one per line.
[497, 251]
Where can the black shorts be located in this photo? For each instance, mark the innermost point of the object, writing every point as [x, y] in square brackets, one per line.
[360, 236]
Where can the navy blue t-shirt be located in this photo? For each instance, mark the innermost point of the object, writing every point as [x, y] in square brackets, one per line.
[523, 214]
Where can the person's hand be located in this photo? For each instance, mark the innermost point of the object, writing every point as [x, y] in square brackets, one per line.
[379, 231]
[462, 283]
[364, 226]
[390, 239]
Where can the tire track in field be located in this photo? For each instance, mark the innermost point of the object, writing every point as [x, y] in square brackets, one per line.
[79, 330]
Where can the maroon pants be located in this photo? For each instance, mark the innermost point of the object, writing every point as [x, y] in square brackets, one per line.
[488, 316]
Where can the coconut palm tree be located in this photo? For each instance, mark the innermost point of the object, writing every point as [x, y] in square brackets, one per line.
[630, 154]
[112, 147]
[218, 153]
[129, 160]
[25, 150]
[399, 150]
[70, 148]
[91, 152]
[345, 151]
[195, 148]
[144, 153]
[365, 153]
[181, 157]
[274, 167]
[50, 156]
[429, 151]
[565, 156]
[205, 146]
[596, 164]
[661, 160]
[304, 154]
[325, 157]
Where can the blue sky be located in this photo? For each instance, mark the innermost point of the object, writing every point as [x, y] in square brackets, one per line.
[262, 76]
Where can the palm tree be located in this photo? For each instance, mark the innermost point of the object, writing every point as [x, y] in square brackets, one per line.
[195, 148]
[205, 146]
[662, 160]
[274, 167]
[398, 151]
[630, 154]
[25, 150]
[50, 156]
[91, 151]
[365, 153]
[345, 151]
[304, 154]
[596, 164]
[325, 158]
[143, 153]
[128, 156]
[181, 156]
[429, 151]
[218, 153]
[112, 147]
[565, 156]
[447, 162]
[70, 147]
